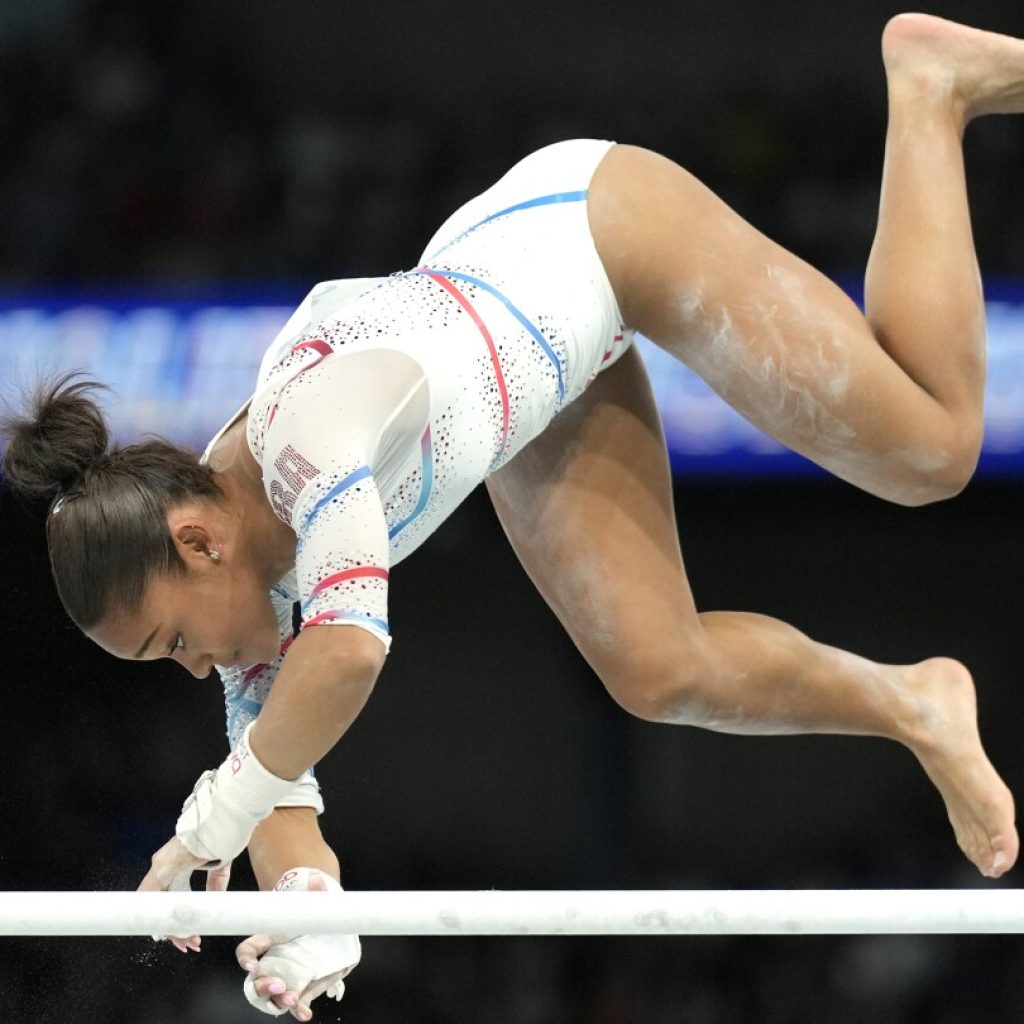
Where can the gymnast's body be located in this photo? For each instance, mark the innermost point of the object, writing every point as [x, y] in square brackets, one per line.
[505, 357]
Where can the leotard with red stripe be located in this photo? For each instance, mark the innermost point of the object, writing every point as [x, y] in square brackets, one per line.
[383, 403]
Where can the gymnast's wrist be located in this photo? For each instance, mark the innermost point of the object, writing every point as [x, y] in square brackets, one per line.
[218, 818]
[245, 783]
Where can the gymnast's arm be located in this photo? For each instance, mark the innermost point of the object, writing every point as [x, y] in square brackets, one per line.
[376, 415]
[323, 685]
[282, 850]
[319, 470]
[338, 428]
[246, 690]
[289, 838]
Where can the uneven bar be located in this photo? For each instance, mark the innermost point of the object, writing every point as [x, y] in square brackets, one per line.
[595, 912]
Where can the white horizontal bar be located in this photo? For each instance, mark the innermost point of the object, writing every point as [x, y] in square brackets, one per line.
[601, 912]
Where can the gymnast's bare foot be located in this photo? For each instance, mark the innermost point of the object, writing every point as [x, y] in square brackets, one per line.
[949, 748]
[977, 72]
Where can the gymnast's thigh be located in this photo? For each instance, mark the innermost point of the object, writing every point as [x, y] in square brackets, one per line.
[587, 506]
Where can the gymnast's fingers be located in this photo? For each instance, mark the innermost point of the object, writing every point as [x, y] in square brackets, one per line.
[182, 882]
[168, 865]
[249, 950]
[217, 879]
[271, 995]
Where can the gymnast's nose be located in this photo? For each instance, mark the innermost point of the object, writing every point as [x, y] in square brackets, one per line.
[198, 665]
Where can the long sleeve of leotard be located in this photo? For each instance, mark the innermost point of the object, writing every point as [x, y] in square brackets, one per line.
[328, 427]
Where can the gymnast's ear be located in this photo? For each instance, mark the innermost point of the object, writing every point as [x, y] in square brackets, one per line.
[192, 534]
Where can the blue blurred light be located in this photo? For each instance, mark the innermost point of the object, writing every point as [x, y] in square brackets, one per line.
[181, 368]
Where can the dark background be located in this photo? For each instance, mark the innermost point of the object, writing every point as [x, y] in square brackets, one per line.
[179, 147]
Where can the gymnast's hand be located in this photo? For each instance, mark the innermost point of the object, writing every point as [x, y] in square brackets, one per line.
[171, 870]
[286, 974]
[225, 805]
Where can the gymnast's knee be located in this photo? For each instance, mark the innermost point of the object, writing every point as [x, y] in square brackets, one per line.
[662, 690]
[936, 475]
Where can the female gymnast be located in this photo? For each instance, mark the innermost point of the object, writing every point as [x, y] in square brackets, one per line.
[505, 356]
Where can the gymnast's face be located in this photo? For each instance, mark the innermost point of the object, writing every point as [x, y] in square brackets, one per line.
[197, 620]
[217, 613]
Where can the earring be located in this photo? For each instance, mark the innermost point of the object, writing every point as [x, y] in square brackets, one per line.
[214, 555]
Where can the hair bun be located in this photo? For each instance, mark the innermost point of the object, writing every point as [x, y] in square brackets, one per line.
[61, 435]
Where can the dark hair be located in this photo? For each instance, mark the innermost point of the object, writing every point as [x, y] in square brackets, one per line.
[106, 525]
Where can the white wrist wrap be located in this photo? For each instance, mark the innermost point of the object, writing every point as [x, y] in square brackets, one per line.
[309, 965]
[217, 820]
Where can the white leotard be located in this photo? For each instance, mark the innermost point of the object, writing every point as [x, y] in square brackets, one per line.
[383, 403]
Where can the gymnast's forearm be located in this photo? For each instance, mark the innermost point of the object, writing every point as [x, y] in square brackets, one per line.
[289, 838]
[322, 686]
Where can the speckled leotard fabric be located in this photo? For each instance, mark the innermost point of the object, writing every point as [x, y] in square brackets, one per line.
[383, 403]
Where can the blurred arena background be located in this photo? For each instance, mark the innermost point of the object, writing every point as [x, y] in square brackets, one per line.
[173, 178]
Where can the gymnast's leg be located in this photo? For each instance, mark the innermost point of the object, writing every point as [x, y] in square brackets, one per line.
[891, 402]
[587, 506]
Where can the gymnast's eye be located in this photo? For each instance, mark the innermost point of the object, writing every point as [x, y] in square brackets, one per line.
[177, 645]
